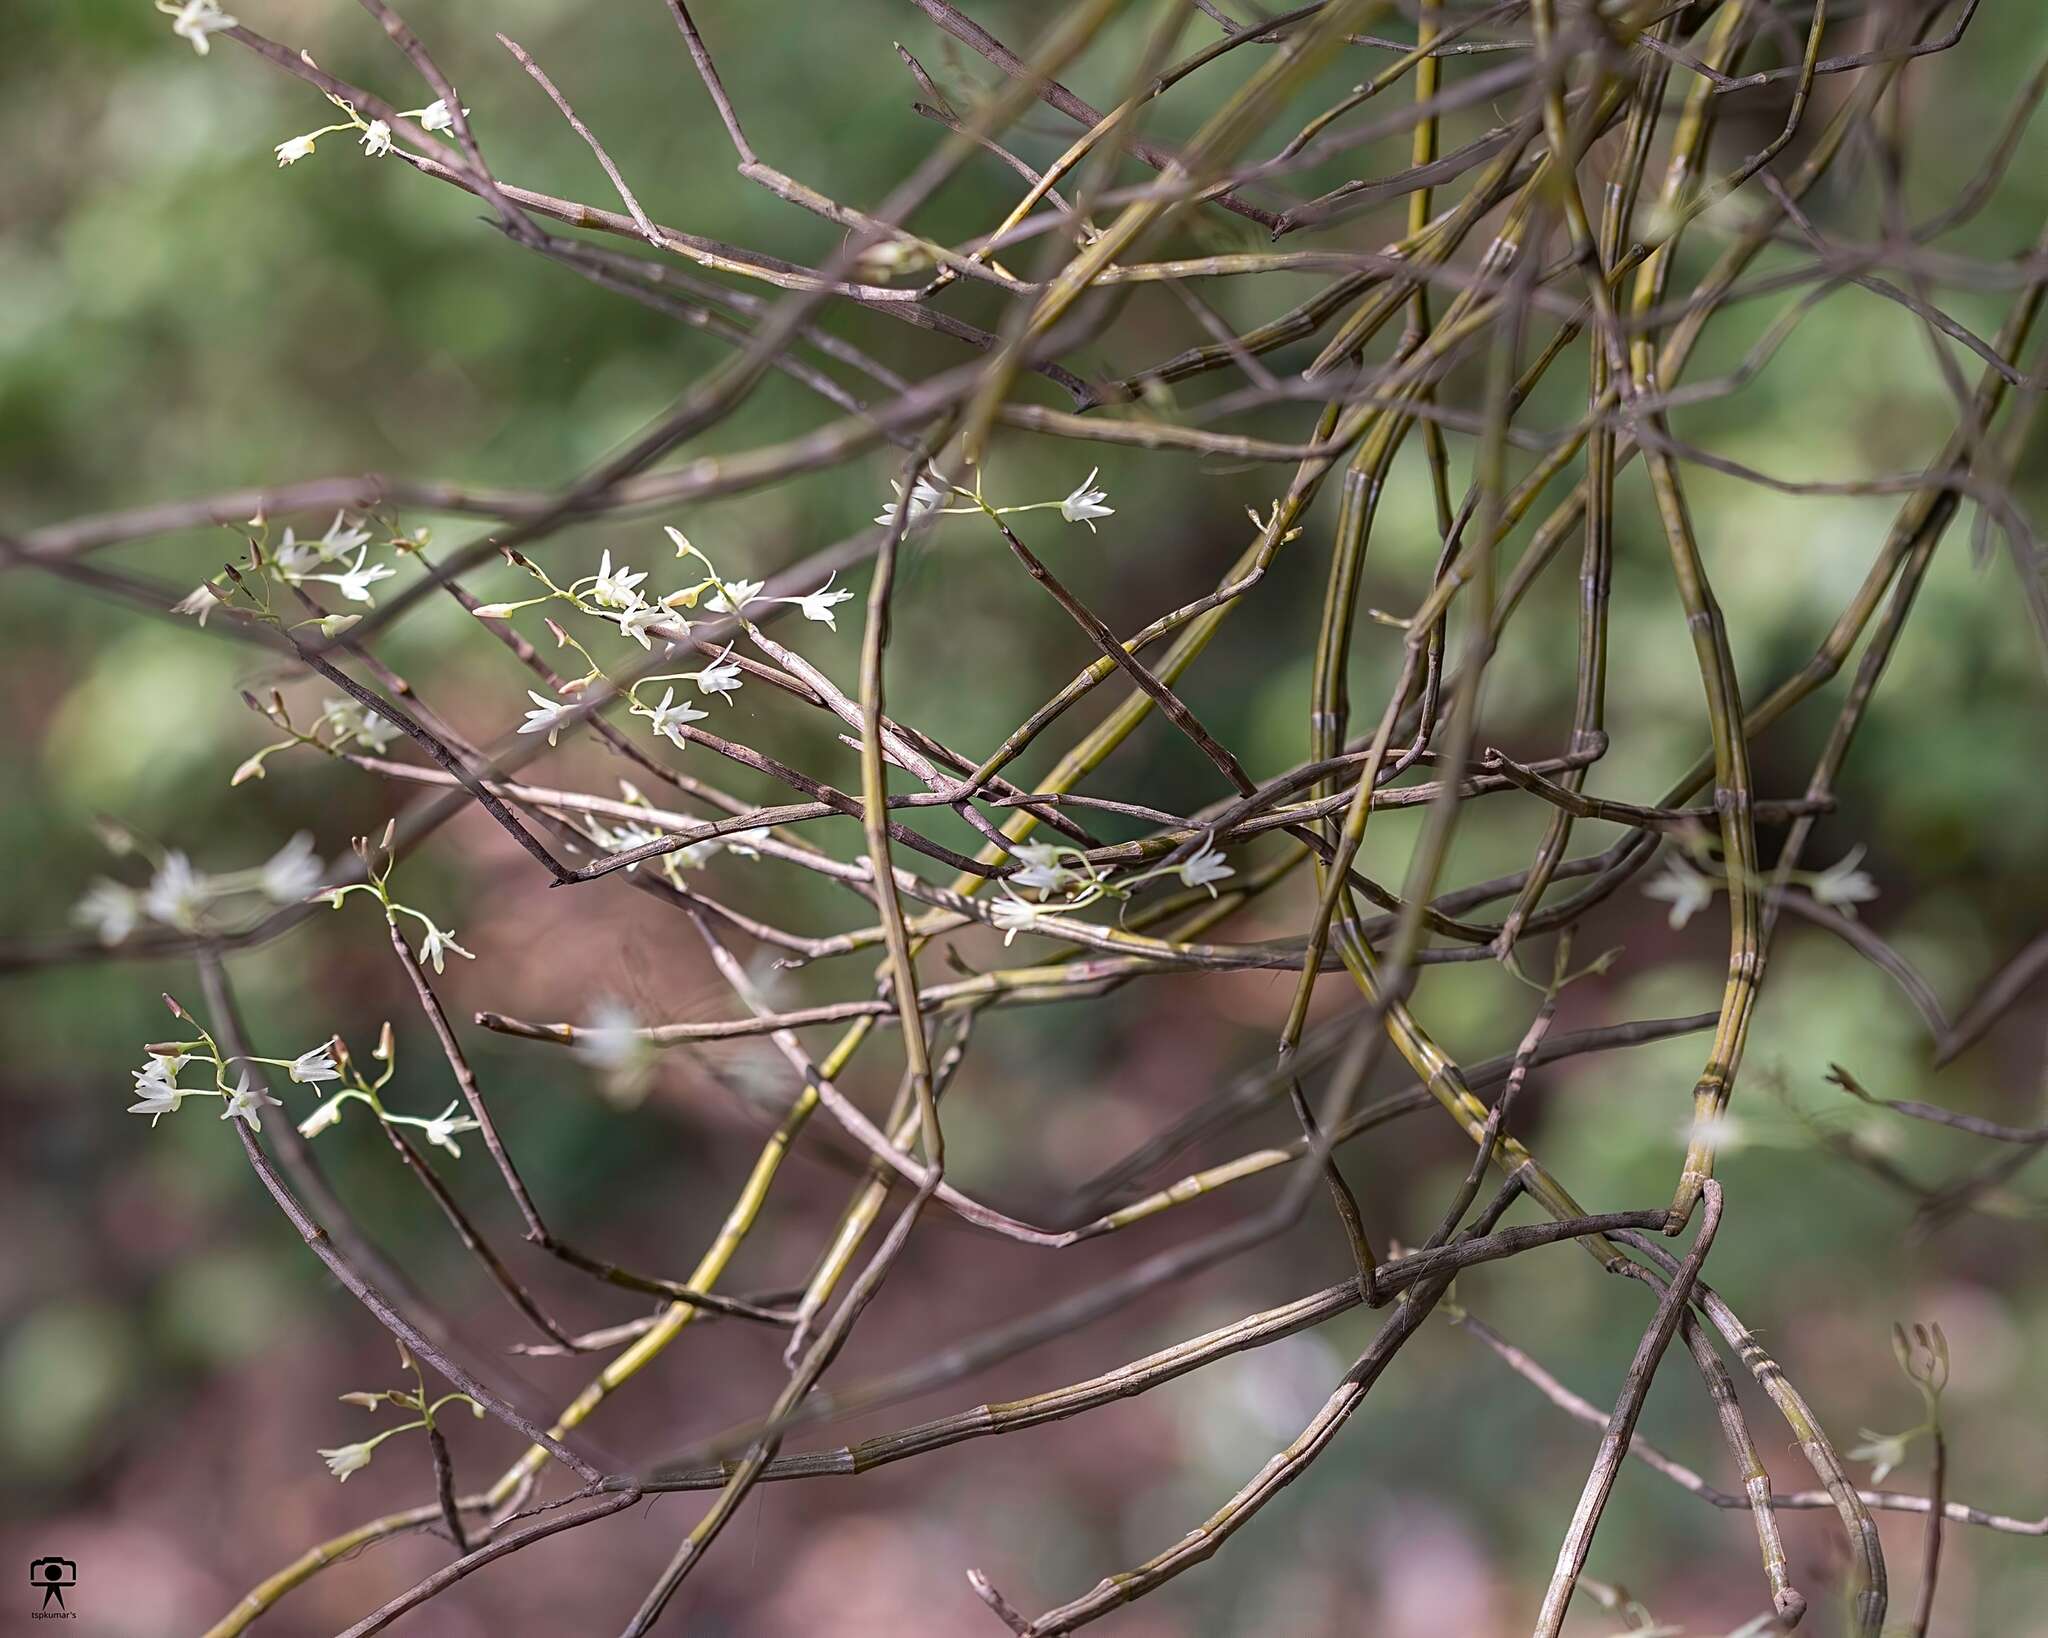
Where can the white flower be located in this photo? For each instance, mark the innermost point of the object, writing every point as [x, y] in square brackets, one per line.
[314, 1064]
[1688, 891]
[295, 558]
[611, 1040]
[925, 498]
[1084, 505]
[1013, 915]
[639, 621]
[546, 720]
[157, 1089]
[340, 539]
[194, 20]
[1884, 1451]
[722, 676]
[1842, 886]
[346, 1459]
[611, 1044]
[163, 1066]
[624, 838]
[333, 625]
[326, 1115]
[668, 718]
[741, 843]
[1205, 867]
[442, 1128]
[376, 139]
[353, 721]
[615, 589]
[178, 895]
[109, 909]
[200, 601]
[292, 871]
[734, 596]
[818, 605]
[298, 148]
[436, 117]
[245, 1100]
[436, 945]
[356, 582]
[1043, 870]
[156, 1099]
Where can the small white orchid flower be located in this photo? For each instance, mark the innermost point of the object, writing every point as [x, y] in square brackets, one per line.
[545, 719]
[818, 605]
[343, 1460]
[616, 588]
[437, 945]
[194, 20]
[1012, 915]
[355, 583]
[1884, 1451]
[734, 596]
[156, 1100]
[109, 909]
[313, 1065]
[298, 148]
[199, 602]
[326, 1115]
[611, 1044]
[376, 139]
[925, 499]
[670, 715]
[340, 539]
[722, 676]
[1685, 888]
[611, 1039]
[1842, 886]
[357, 722]
[157, 1088]
[442, 1128]
[436, 117]
[639, 622]
[293, 871]
[178, 894]
[624, 838]
[1084, 505]
[294, 558]
[1043, 870]
[1204, 867]
[244, 1102]
[163, 1066]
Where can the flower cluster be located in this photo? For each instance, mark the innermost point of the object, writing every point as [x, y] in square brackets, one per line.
[1689, 890]
[928, 496]
[183, 897]
[339, 557]
[1053, 867]
[342, 1460]
[614, 594]
[373, 134]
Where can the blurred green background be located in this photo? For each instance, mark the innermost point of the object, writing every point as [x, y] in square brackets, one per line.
[181, 316]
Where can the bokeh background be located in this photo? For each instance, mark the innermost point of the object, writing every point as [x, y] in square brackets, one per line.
[176, 315]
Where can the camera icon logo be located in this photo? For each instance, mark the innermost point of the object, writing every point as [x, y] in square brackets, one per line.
[53, 1575]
